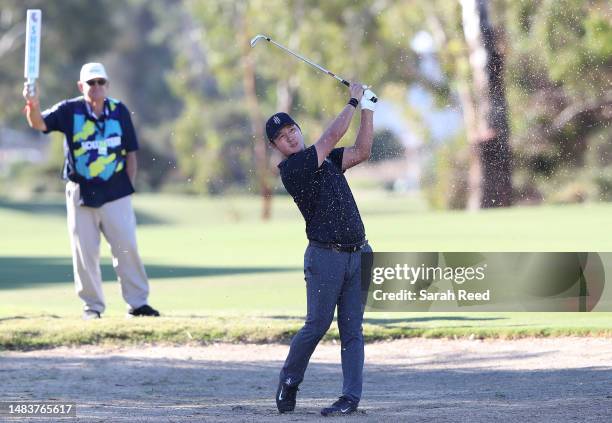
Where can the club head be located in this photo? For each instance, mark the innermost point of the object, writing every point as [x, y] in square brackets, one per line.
[257, 38]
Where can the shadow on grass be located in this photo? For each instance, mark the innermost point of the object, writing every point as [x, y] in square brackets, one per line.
[390, 322]
[26, 272]
[429, 319]
[57, 208]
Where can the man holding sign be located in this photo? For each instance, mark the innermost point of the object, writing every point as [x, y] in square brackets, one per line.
[100, 168]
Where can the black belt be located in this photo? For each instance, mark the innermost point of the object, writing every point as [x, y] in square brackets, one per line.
[345, 248]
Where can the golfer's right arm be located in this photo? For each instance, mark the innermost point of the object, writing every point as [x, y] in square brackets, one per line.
[32, 110]
[336, 130]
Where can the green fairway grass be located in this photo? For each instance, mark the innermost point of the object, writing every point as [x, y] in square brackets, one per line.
[216, 268]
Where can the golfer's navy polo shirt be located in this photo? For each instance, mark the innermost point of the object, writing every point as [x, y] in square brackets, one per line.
[95, 148]
[323, 196]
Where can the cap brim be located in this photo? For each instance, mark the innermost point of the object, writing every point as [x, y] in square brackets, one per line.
[279, 129]
[90, 77]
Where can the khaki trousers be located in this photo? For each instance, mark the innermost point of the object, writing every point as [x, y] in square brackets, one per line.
[116, 220]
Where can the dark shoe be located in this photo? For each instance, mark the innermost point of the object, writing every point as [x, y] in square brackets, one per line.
[91, 315]
[145, 310]
[285, 397]
[341, 407]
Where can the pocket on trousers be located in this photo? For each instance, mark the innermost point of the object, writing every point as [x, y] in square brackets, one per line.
[72, 192]
[310, 263]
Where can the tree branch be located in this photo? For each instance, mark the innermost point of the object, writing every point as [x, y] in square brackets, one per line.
[575, 110]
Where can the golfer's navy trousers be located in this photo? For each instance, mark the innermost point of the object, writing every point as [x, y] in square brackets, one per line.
[332, 278]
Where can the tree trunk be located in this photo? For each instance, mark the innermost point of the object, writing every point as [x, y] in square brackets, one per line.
[284, 95]
[490, 175]
[256, 118]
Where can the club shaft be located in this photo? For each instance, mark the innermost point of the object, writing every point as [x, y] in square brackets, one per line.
[311, 63]
[321, 68]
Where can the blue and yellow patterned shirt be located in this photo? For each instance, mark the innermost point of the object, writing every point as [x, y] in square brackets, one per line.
[95, 148]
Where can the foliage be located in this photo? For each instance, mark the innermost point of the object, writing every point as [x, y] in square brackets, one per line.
[180, 67]
[386, 146]
[560, 69]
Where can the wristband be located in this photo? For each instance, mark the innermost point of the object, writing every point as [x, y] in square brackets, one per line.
[353, 102]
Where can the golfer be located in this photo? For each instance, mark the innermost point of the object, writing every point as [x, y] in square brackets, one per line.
[100, 168]
[314, 178]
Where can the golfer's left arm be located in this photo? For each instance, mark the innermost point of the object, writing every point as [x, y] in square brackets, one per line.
[131, 166]
[362, 149]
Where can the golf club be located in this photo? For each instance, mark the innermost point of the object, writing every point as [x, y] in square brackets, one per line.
[258, 37]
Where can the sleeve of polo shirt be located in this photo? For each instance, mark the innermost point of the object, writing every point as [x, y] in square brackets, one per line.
[129, 134]
[336, 157]
[56, 117]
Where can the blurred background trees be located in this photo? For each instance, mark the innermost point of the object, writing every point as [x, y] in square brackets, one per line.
[530, 123]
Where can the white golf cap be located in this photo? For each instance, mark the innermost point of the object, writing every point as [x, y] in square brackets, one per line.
[90, 71]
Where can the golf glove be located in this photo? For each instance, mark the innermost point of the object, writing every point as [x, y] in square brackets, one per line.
[366, 100]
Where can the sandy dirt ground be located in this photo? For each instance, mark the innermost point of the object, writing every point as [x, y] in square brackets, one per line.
[415, 380]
